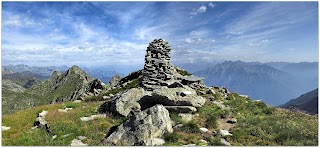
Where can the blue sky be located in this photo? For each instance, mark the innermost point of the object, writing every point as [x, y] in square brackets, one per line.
[117, 33]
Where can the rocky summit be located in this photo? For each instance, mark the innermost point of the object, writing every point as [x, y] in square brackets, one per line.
[161, 85]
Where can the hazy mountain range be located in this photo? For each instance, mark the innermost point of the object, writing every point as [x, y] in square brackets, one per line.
[275, 83]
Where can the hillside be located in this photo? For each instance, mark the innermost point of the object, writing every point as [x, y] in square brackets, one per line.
[259, 81]
[70, 85]
[307, 102]
[25, 79]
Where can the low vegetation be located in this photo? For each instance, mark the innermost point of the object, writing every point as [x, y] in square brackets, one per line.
[183, 72]
[60, 123]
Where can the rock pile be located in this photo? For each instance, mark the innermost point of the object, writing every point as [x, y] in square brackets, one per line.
[162, 90]
[157, 68]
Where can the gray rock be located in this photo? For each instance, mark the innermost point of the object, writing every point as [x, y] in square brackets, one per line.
[41, 120]
[115, 80]
[204, 141]
[93, 117]
[141, 128]
[76, 142]
[225, 142]
[5, 128]
[137, 99]
[170, 96]
[181, 109]
[82, 137]
[219, 104]
[203, 129]
[43, 113]
[157, 141]
[224, 133]
[126, 101]
[211, 92]
[77, 101]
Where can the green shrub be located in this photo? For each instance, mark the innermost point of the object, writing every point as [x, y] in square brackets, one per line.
[210, 114]
[176, 118]
[214, 141]
[71, 105]
[183, 72]
[190, 127]
[172, 137]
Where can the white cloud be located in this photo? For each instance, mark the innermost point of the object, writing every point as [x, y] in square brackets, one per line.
[211, 5]
[202, 9]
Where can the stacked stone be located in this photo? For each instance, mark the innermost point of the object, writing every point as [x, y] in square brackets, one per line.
[157, 68]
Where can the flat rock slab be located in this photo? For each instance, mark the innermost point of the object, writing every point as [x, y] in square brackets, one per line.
[181, 109]
[43, 113]
[77, 101]
[77, 142]
[93, 117]
[192, 78]
[64, 110]
[5, 128]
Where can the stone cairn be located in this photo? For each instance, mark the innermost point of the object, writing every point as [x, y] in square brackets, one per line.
[157, 69]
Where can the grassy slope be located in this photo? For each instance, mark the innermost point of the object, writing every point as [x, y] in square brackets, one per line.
[60, 123]
[258, 124]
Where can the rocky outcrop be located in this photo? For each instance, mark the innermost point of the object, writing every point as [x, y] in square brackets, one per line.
[42, 123]
[137, 99]
[143, 128]
[114, 80]
[68, 86]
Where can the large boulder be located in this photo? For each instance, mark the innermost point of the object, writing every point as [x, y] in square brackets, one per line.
[126, 102]
[143, 128]
[114, 80]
